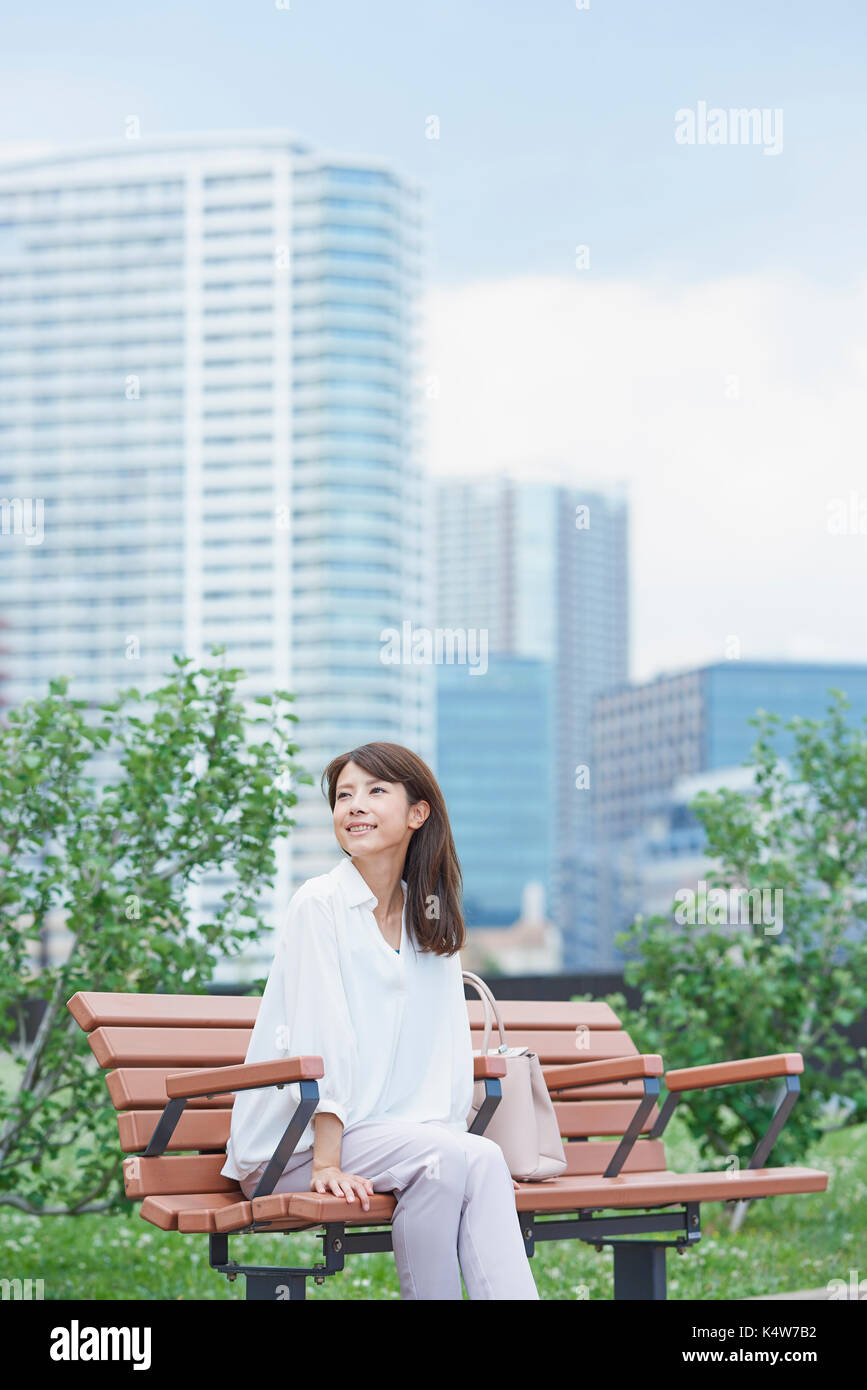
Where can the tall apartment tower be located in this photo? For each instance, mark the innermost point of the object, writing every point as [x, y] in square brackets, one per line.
[542, 567]
[207, 356]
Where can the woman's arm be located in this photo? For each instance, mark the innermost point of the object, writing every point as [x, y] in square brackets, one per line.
[315, 1009]
[319, 1024]
[463, 1085]
[328, 1140]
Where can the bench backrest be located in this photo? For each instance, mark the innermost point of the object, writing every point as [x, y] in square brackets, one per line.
[139, 1039]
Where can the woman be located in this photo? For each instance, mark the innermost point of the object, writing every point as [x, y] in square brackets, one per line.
[367, 976]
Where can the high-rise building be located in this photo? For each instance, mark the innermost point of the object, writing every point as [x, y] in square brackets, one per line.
[543, 568]
[658, 742]
[208, 433]
[497, 775]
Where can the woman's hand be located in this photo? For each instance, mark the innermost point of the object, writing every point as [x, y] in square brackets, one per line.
[342, 1184]
[516, 1185]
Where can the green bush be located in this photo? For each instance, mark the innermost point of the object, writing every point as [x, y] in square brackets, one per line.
[196, 792]
[726, 990]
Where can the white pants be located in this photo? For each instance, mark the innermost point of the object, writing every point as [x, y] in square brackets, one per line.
[455, 1201]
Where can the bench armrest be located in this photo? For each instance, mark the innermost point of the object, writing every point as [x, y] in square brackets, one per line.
[598, 1073]
[646, 1067]
[488, 1069]
[182, 1086]
[218, 1080]
[787, 1065]
[726, 1073]
[488, 1066]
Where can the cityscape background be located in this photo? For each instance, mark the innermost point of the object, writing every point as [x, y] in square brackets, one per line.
[347, 322]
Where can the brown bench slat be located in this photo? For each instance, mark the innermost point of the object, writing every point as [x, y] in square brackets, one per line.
[211, 1047]
[201, 1219]
[613, 1090]
[558, 1045]
[94, 1008]
[165, 1211]
[532, 1014]
[173, 1048]
[144, 1088]
[197, 1129]
[583, 1160]
[298, 1206]
[236, 1218]
[667, 1188]
[161, 1177]
[209, 1129]
[582, 1119]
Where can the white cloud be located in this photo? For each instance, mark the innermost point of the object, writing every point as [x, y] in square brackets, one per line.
[24, 149]
[734, 410]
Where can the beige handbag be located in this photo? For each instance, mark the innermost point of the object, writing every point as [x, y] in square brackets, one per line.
[524, 1123]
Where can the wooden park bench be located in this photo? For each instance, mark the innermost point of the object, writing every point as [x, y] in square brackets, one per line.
[173, 1063]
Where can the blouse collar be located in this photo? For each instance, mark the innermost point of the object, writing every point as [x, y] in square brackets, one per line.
[356, 892]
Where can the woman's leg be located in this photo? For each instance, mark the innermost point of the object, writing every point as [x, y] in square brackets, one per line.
[287, 1182]
[426, 1168]
[493, 1258]
[425, 1165]
[454, 1199]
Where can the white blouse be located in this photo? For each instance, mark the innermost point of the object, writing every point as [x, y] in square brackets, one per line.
[390, 1026]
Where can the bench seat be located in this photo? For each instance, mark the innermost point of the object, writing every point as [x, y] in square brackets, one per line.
[295, 1210]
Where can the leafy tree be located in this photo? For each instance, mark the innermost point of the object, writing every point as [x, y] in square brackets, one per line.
[202, 785]
[719, 992]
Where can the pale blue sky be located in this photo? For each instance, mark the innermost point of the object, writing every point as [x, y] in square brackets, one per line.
[714, 356]
[557, 124]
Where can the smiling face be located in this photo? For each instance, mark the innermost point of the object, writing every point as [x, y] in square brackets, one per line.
[371, 815]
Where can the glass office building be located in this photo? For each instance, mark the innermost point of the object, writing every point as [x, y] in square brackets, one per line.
[656, 742]
[207, 353]
[543, 569]
[496, 768]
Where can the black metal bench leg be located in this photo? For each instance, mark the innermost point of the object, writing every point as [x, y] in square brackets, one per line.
[270, 1289]
[639, 1270]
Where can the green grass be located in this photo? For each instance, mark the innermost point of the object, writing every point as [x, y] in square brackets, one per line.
[786, 1243]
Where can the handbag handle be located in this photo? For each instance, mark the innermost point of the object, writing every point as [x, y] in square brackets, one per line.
[490, 1004]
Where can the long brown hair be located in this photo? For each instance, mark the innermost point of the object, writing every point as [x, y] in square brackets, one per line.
[434, 884]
